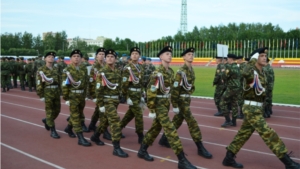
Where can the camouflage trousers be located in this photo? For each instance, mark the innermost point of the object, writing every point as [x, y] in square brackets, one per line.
[15, 77]
[218, 94]
[31, 81]
[95, 115]
[241, 99]
[77, 104]
[269, 98]
[254, 121]
[22, 79]
[162, 120]
[134, 111]
[111, 118]
[52, 105]
[5, 81]
[230, 96]
[186, 114]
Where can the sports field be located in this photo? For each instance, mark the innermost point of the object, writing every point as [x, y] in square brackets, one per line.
[286, 87]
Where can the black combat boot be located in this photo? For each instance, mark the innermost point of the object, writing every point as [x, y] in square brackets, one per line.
[267, 113]
[8, 87]
[82, 140]
[219, 113]
[95, 138]
[202, 151]
[183, 163]
[229, 160]
[144, 154]
[30, 90]
[164, 141]
[23, 88]
[106, 135]
[241, 115]
[289, 163]
[92, 126]
[45, 123]
[68, 118]
[69, 130]
[53, 133]
[270, 109]
[141, 137]
[3, 89]
[122, 135]
[227, 122]
[118, 151]
[233, 121]
[84, 128]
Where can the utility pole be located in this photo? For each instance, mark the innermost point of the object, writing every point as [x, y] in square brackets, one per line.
[183, 19]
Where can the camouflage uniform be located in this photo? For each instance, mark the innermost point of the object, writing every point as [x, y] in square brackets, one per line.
[133, 91]
[5, 72]
[269, 90]
[219, 83]
[241, 99]
[148, 70]
[21, 69]
[15, 72]
[30, 75]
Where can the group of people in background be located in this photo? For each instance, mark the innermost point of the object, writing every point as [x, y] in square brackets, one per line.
[239, 86]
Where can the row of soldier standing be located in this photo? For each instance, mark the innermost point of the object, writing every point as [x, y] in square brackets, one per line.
[163, 85]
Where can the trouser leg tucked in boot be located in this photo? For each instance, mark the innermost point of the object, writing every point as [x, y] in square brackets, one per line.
[68, 118]
[227, 122]
[241, 115]
[118, 151]
[289, 163]
[141, 137]
[92, 126]
[106, 135]
[54, 133]
[233, 121]
[45, 123]
[229, 160]
[143, 153]
[3, 89]
[183, 163]
[95, 138]
[84, 128]
[82, 140]
[164, 141]
[69, 130]
[202, 151]
[219, 113]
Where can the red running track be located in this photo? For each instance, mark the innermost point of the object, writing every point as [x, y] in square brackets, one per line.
[26, 144]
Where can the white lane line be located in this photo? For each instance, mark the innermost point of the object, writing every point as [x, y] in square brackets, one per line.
[221, 145]
[126, 105]
[106, 143]
[31, 156]
[217, 128]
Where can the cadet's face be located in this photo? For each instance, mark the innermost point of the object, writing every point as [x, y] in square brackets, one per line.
[166, 56]
[230, 60]
[224, 61]
[100, 56]
[135, 56]
[189, 57]
[218, 61]
[262, 59]
[148, 62]
[49, 58]
[75, 58]
[110, 59]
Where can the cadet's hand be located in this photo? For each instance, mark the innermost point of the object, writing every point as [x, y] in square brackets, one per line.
[42, 99]
[129, 102]
[152, 115]
[94, 100]
[142, 100]
[68, 103]
[102, 109]
[176, 110]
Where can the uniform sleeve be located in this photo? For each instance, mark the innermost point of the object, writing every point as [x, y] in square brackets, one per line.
[65, 87]
[248, 72]
[99, 91]
[218, 76]
[176, 90]
[39, 85]
[125, 82]
[92, 83]
[151, 93]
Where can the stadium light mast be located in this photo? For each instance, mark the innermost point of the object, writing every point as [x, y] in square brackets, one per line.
[183, 18]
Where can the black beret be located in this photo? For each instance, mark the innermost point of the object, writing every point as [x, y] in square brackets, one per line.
[135, 49]
[240, 57]
[110, 51]
[76, 51]
[232, 56]
[40, 55]
[260, 50]
[187, 51]
[100, 50]
[29, 59]
[18, 59]
[247, 59]
[22, 58]
[165, 49]
[50, 53]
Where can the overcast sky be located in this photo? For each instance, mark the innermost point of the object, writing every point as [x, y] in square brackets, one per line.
[139, 20]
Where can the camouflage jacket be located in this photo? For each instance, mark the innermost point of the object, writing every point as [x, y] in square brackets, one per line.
[104, 89]
[93, 76]
[62, 65]
[153, 91]
[78, 73]
[5, 69]
[180, 87]
[270, 76]
[21, 67]
[233, 75]
[148, 69]
[29, 69]
[219, 75]
[42, 83]
[248, 74]
[242, 66]
[127, 80]
[39, 63]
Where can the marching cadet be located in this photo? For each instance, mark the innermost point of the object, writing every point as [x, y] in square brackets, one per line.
[254, 95]
[231, 94]
[97, 66]
[269, 91]
[15, 71]
[22, 73]
[48, 89]
[219, 83]
[149, 68]
[74, 86]
[183, 87]
[5, 72]
[241, 64]
[158, 92]
[132, 89]
[29, 72]
[108, 90]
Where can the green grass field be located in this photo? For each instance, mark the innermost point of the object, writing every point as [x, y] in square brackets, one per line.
[286, 87]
